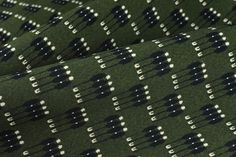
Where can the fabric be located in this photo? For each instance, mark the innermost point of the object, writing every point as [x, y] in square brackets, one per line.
[118, 78]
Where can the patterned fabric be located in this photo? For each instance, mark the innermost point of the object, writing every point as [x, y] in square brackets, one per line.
[117, 78]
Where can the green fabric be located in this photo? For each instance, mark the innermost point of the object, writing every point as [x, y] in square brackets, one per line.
[95, 40]
[167, 96]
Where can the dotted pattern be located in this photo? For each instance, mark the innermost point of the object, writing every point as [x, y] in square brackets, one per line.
[171, 97]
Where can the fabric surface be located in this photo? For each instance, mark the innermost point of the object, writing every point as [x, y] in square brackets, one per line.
[119, 78]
